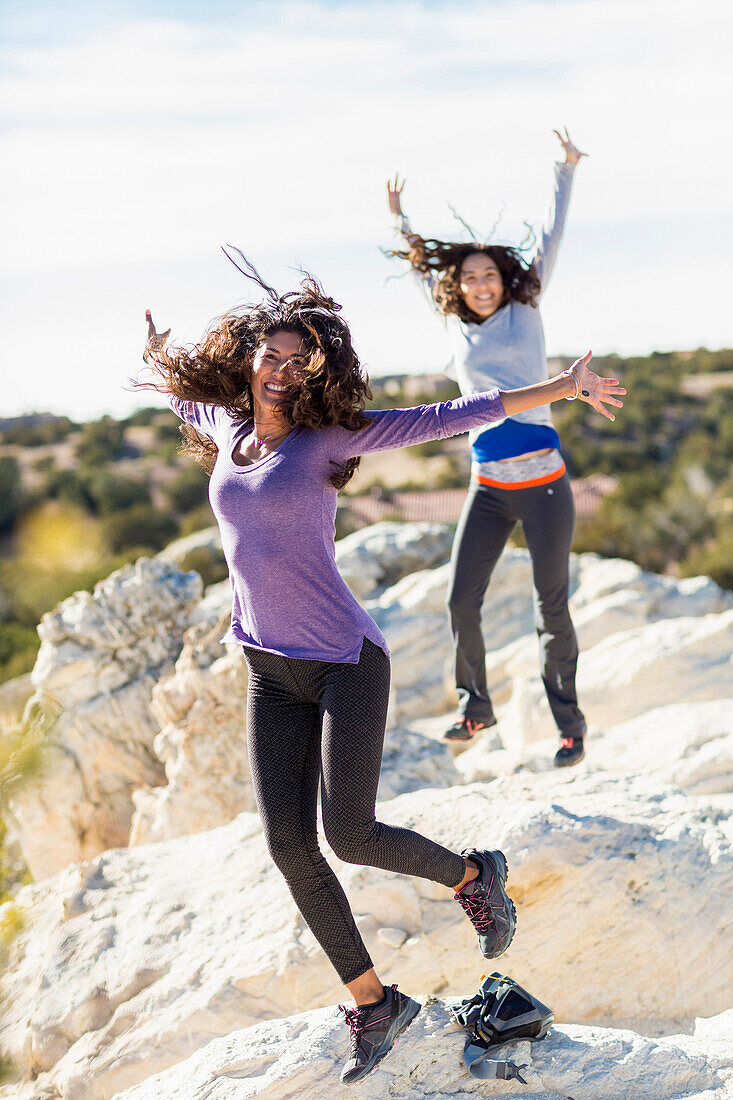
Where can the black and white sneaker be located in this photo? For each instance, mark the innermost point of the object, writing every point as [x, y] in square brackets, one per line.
[486, 903]
[571, 752]
[374, 1029]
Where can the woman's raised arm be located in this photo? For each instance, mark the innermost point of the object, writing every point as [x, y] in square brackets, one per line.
[555, 226]
[394, 199]
[200, 416]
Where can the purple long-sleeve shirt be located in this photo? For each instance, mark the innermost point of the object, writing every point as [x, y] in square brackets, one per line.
[277, 522]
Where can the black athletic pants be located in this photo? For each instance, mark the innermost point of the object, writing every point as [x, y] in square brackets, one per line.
[547, 515]
[311, 722]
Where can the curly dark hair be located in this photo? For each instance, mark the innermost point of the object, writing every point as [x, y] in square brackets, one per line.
[328, 388]
[444, 259]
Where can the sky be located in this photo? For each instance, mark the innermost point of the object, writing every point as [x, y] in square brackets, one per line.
[138, 137]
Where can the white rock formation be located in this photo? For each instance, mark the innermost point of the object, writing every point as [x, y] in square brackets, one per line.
[208, 538]
[381, 554]
[150, 960]
[687, 745]
[608, 596]
[202, 741]
[678, 660]
[100, 657]
[302, 1056]
[139, 958]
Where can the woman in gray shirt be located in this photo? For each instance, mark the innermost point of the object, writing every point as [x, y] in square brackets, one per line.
[488, 297]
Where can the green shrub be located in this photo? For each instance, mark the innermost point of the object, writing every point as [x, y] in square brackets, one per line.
[208, 562]
[197, 520]
[18, 649]
[101, 441]
[113, 493]
[169, 431]
[143, 418]
[714, 559]
[139, 526]
[189, 489]
[53, 429]
[70, 486]
[11, 492]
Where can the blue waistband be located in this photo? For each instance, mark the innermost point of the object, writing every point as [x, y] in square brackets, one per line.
[512, 438]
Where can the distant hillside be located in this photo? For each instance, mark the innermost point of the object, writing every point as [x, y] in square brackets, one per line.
[77, 500]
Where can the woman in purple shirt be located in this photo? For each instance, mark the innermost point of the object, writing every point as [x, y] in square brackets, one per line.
[273, 402]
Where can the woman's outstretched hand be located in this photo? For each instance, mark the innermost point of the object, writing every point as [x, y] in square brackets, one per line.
[572, 152]
[594, 390]
[394, 196]
[156, 340]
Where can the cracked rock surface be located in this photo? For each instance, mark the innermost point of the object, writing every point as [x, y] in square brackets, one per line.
[162, 955]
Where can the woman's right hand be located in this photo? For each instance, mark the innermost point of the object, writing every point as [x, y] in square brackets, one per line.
[156, 340]
[394, 194]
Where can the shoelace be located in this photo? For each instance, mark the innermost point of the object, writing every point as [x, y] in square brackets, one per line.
[356, 1022]
[359, 1021]
[476, 911]
[567, 742]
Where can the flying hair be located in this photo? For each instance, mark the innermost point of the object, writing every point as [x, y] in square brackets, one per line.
[444, 259]
[328, 388]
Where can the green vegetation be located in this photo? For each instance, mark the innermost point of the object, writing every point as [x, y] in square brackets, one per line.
[100, 495]
[22, 744]
[37, 432]
[104, 492]
[10, 493]
[672, 454]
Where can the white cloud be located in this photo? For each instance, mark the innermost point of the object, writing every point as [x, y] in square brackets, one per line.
[136, 149]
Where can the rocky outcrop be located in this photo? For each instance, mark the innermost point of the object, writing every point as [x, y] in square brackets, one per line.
[100, 657]
[142, 754]
[380, 555]
[149, 960]
[677, 660]
[303, 1055]
[201, 743]
[139, 958]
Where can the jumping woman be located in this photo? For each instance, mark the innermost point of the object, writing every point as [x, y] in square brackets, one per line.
[272, 399]
[488, 296]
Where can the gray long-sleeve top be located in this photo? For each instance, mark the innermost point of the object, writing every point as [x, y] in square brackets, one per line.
[507, 350]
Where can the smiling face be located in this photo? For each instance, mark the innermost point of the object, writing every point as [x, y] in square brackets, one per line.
[481, 284]
[271, 373]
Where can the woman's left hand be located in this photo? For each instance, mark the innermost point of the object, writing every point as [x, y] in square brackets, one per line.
[594, 390]
[572, 152]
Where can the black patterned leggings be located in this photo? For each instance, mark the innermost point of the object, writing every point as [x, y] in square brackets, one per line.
[311, 721]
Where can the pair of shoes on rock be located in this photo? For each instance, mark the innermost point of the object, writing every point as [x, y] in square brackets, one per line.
[464, 729]
[571, 752]
[374, 1028]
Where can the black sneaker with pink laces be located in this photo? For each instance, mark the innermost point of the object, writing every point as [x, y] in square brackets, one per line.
[374, 1029]
[486, 903]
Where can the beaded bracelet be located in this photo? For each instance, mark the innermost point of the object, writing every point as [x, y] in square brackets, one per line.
[574, 377]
